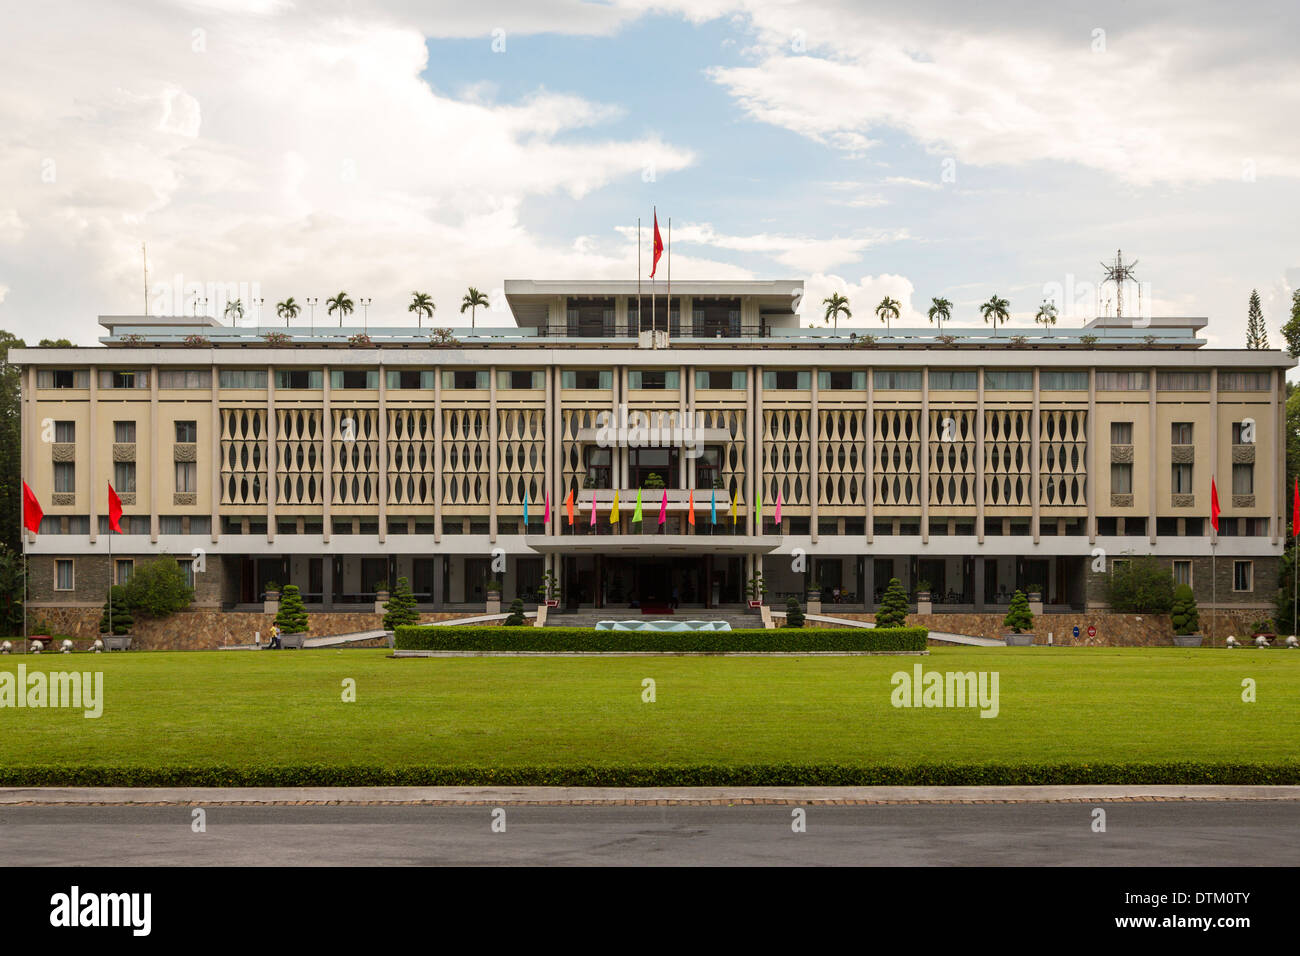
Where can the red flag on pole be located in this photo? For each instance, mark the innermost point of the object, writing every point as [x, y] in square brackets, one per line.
[114, 510]
[1295, 510]
[658, 247]
[1214, 505]
[32, 513]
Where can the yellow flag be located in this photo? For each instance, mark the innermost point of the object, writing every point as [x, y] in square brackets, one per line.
[734, 498]
[613, 511]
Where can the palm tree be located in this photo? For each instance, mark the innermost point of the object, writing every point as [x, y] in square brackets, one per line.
[999, 310]
[1046, 313]
[236, 308]
[473, 299]
[342, 304]
[287, 310]
[888, 309]
[422, 305]
[940, 309]
[835, 305]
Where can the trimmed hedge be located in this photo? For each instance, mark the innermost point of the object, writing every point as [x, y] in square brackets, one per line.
[470, 638]
[704, 775]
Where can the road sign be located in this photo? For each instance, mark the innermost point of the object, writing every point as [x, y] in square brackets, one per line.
[1092, 631]
[1076, 630]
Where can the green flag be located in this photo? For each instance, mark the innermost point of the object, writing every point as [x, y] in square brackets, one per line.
[758, 511]
[636, 515]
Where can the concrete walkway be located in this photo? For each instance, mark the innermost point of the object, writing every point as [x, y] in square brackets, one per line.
[631, 796]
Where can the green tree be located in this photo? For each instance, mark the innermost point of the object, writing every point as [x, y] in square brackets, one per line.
[342, 304]
[836, 305]
[1256, 332]
[13, 574]
[158, 588]
[793, 613]
[1285, 613]
[11, 485]
[1140, 586]
[1047, 313]
[940, 312]
[292, 616]
[399, 609]
[893, 606]
[1018, 618]
[234, 310]
[1183, 614]
[55, 344]
[1291, 331]
[422, 305]
[997, 311]
[287, 310]
[122, 620]
[473, 299]
[516, 616]
[888, 309]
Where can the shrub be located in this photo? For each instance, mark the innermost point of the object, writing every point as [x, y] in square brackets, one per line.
[1018, 617]
[277, 339]
[793, 613]
[359, 340]
[893, 606]
[158, 588]
[400, 607]
[1185, 618]
[122, 620]
[561, 639]
[1140, 587]
[516, 618]
[292, 616]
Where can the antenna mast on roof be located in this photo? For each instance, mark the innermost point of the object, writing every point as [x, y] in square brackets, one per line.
[1119, 272]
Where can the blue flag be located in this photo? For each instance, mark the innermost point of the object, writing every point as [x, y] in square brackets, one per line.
[525, 508]
[713, 507]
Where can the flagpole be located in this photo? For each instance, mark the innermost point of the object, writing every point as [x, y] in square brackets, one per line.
[638, 275]
[668, 326]
[654, 317]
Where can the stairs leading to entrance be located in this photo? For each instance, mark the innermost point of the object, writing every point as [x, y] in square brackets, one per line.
[586, 617]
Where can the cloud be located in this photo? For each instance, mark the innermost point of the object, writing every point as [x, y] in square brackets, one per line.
[863, 297]
[804, 254]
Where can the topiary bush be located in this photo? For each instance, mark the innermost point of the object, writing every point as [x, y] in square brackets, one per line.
[122, 621]
[158, 588]
[1184, 615]
[893, 606]
[516, 617]
[1142, 586]
[292, 616]
[1018, 616]
[399, 609]
[793, 613]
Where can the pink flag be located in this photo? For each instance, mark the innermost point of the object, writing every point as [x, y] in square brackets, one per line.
[546, 518]
[778, 506]
[663, 508]
[593, 509]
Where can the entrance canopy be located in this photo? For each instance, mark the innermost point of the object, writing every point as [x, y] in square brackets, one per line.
[647, 544]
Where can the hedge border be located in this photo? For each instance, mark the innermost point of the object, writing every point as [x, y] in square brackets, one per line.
[703, 775]
[758, 640]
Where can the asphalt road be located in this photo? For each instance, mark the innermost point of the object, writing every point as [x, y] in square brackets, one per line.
[1259, 833]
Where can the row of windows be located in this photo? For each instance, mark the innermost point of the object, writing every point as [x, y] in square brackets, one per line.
[131, 524]
[124, 432]
[1180, 479]
[186, 477]
[65, 572]
[1180, 433]
[1243, 573]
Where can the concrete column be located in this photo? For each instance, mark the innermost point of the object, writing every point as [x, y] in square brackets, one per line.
[979, 456]
[979, 584]
[382, 483]
[154, 477]
[1090, 458]
[1035, 469]
[759, 431]
[814, 453]
[548, 449]
[493, 480]
[755, 435]
[437, 459]
[92, 475]
[439, 564]
[691, 479]
[327, 581]
[272, 466]
[1153, 462]
[868, 582]
[925, 456]
[327, 459]
[870, 449]
[1278, 415]
[683, 384]
[619, 456]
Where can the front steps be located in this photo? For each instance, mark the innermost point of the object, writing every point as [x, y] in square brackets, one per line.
[587, 617]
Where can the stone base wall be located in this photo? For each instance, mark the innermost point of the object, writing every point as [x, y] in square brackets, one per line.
[203, 629]
[1211, 582]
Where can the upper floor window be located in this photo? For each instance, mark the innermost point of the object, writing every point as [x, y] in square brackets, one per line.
[123, 378]
[299, 378]
[1073, 381]
[187, 432]
[589, 378]
[124, 432]
[1245, 381]
[410, 378]
[714, 378]
[1121, 433]
[62, 378]
[242, 378]
[856, 381]
[65, 477]
[900, 379]
[65, 432]
[954, 380]
[1121, 381]
[1009, 380]
[654, 379]
[1182, 381]
[513, 379]
[788, 380]
[468, 378]
[185, 378]
[354, 378]
[1238, 433]
[1181, 433]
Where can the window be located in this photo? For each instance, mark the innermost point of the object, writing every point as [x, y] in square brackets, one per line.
[410, 378]
[79, 524]
[171, 524]
[900, 380]
[598, 465]
[1237, 434]
[1243, 479]
[1166, 527]
[1121, 479]
[1063, 381]
[124, 433]
[1181, 479]
[589, 378]
[790, 380]
[65, 477]
[956, 381]
[62, 378]
[124, 477]
[1121, 381]
[515, 379]
[187, 432]
[465, 379]
[1182, 381]
[856, 381]
[185, 378]
[353, 378]
[712, 378]
[1121, 433]
[1183, 572]
[298, 378]
[1022, 381]
[653, 379]
[1245, 381]
[63, 574]
[1256, 527]
[65, 432]
[1181, 433]
[1135, 527]
[187, 568]
[1228, 527]
[123, 378]
[201, 524]
[50, 524]
[1119, 564]
[242, 378]
[1243, 575]
[186, 477]
[286, 526]
[123, 568]
[1193, 527]
[1107, 525]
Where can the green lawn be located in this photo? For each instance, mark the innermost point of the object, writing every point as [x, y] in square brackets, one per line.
[1057, 706]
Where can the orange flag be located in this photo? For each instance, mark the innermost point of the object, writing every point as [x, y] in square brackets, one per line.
[568, 505]
[690, 515]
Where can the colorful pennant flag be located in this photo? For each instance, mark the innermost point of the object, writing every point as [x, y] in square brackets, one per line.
[546, 518]
[636, 515]
[663, 508]
[1214, 506]
[1295, 510]
[525, 509]
[32, 511]
[568, 505]
[778, 507]
[613, 511]
[593, 509]
[690, 514]
[114, 510]
[658, 247]
[734, 498]
[713, 507]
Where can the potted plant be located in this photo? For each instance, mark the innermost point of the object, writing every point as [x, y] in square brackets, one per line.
[493, 596]
[516, 618]
[276, 339]
[382, 593]
[359, 341]
[549, 592]
[654, 480]
[292, 618]
[271, 599]
[793, 613]
[442, 339]
[1185, 618]
[893, 606]
[813, 596]
[116, 633]
[197, 342]
[1034, 592]
[924, 598]
[1263, 628]
[1020, 621]
[756, 590]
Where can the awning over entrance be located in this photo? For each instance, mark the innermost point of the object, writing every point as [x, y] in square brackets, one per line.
[646, 544]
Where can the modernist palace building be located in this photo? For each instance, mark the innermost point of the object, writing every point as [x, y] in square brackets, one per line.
[977, 460]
